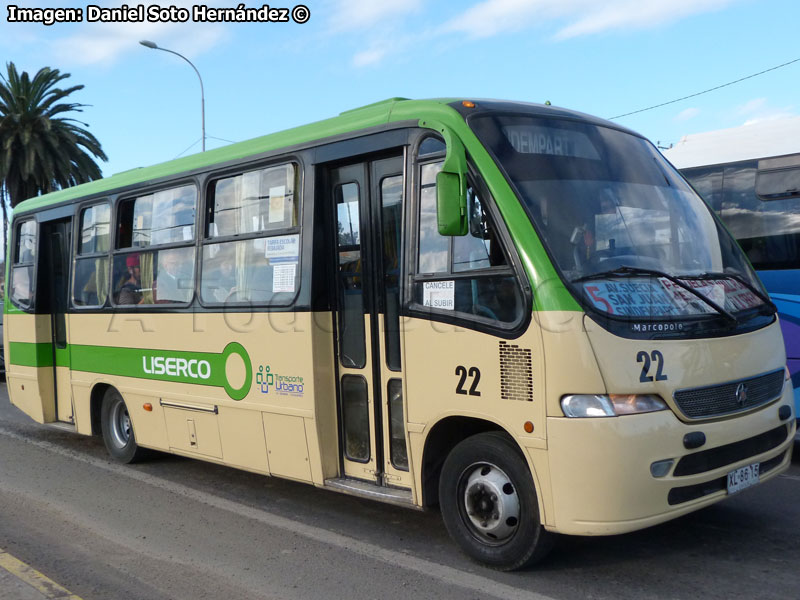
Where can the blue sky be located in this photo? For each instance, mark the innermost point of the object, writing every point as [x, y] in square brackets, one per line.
[601, 57]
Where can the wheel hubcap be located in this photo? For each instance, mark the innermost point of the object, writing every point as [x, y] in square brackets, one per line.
[491, 503]
[120, 425]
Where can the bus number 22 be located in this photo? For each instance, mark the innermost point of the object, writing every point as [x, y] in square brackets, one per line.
[658, 358]
[475, 373]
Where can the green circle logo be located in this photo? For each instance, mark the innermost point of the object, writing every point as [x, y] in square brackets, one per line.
[238, 349]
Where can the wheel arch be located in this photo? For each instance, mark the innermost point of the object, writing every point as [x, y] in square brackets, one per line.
[96, 405]
[440, 441]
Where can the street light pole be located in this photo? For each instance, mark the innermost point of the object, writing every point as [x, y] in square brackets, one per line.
[154, 46]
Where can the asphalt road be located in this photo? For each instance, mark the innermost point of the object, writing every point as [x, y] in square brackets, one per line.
[182, 529]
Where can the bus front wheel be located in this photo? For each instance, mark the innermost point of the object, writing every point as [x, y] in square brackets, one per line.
[117, 429]
[488, 503]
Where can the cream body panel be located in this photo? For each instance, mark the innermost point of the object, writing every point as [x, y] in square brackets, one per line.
[688, 363]
[193, 431]
[287, 447]
[66, 407]
[324, 450]
[570, 363]
[26, 327]
[432, 353]
[31, 390]
[600, 467]
[286, 342]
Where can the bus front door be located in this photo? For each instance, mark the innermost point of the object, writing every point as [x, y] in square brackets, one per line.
[53, 291]
[368, 204]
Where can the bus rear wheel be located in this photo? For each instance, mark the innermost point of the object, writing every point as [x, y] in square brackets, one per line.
[488, 503]
[117, 429]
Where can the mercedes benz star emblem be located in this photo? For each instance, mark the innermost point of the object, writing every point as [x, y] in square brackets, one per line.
[741, 394]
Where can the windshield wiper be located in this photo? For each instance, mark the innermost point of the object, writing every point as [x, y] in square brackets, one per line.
[625, 271]
[710, 275]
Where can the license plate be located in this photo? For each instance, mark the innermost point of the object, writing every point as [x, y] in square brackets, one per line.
[743, 478]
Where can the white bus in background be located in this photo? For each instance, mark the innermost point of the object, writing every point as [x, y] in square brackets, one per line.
[750, 175]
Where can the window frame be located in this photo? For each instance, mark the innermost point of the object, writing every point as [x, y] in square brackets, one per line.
[76, 256]
[202, 232]
[34, 263]
[155, 248]
[513, 268]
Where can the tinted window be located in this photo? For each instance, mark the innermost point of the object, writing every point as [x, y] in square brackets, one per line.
[767, 230]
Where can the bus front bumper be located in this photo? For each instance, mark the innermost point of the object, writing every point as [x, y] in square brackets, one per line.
[600, 468]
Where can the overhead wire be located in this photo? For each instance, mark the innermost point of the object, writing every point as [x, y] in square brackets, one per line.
[705, 91]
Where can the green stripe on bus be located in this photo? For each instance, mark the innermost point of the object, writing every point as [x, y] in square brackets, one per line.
[28, 354]
[62, 357]
[199, 368]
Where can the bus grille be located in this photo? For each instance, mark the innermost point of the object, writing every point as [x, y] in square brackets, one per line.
[708, 460]
[730, 398]
[516, 373]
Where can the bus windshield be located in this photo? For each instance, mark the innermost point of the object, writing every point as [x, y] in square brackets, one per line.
[609, 208]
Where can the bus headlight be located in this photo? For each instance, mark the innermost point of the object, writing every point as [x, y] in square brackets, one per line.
[611, 405]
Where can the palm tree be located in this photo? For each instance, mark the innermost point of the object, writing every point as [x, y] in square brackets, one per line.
[42, 149]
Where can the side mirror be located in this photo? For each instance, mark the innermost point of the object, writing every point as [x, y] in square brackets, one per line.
[451, 189]
[451, 204]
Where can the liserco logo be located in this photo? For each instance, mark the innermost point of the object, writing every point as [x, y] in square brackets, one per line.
[176, 367]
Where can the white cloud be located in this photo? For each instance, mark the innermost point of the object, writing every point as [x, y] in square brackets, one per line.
[583, 17]
[351, 15]
[685, 115]
[754, 105]
[369, 57]
[758, 110]
[107, 42]
[100, 43]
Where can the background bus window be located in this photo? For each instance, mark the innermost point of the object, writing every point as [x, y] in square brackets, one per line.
[90, 282]
[464, 274]
[264, 268]
[767, 230]
[22, 269]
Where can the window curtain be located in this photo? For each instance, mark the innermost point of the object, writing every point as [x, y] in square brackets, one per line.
[101, 279]
[146, 264]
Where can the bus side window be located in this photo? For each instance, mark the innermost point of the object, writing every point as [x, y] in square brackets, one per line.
[143, 274]
[90, 282]
[467, 274]
[260, 206]
[22, 269]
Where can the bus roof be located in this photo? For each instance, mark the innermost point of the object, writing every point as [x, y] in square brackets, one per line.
[371, 115]
[762, 139]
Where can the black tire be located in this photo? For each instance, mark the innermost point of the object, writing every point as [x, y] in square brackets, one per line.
[488, 503]
[117, 429]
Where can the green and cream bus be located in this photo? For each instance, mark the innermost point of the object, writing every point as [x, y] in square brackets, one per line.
[518, 313]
